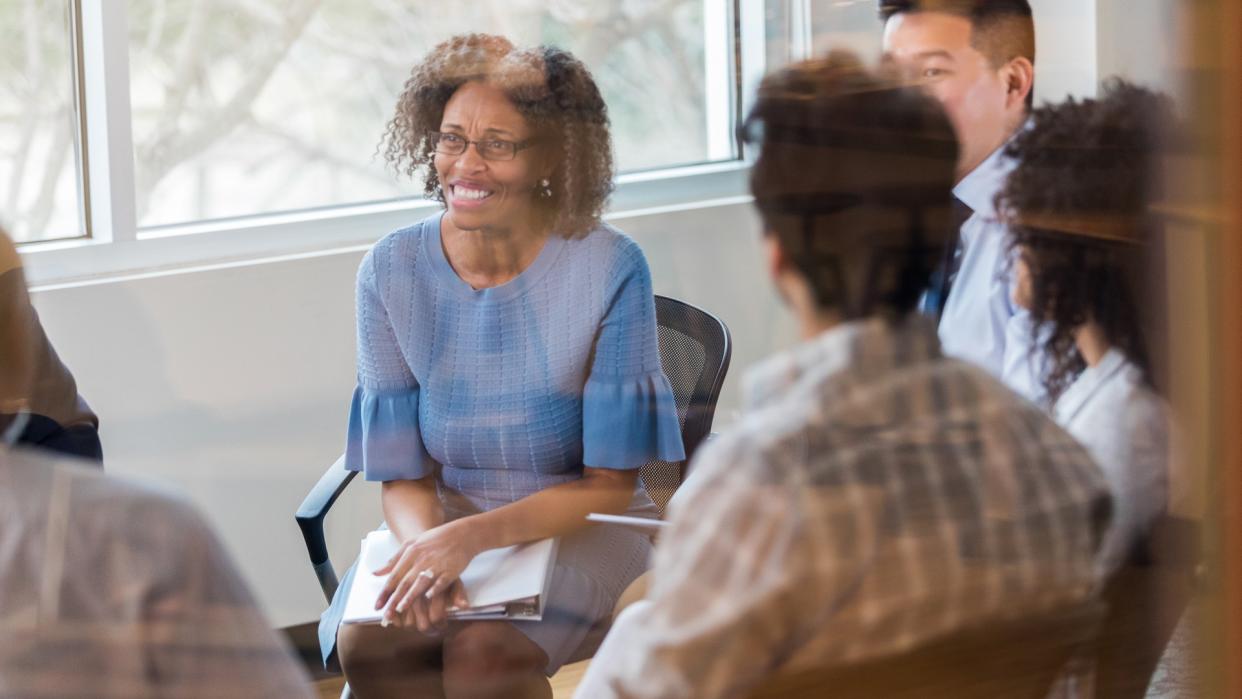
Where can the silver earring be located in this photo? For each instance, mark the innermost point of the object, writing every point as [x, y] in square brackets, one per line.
[545, 188]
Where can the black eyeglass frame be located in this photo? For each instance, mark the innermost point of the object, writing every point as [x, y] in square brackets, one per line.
[436, 137]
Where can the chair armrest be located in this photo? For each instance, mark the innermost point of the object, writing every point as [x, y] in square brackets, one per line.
[310, 518]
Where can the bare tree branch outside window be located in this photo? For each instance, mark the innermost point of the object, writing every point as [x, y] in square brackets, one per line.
[248, 107]
[38, 178]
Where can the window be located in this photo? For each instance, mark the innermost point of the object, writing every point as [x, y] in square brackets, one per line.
[263, 106]
[128, 120]
[797, 29]
[39, 126]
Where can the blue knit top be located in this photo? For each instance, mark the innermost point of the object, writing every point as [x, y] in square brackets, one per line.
[511, 389]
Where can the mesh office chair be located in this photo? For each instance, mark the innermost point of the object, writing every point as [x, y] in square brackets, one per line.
[695, 349]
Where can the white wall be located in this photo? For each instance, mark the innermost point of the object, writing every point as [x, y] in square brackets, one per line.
[1065, 49]
[232, 385]
[1140, 39]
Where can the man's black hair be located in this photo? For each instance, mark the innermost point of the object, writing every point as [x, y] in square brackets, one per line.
[1003, 29]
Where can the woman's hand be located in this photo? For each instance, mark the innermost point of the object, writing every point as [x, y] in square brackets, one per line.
[429, 614]
[424, 574]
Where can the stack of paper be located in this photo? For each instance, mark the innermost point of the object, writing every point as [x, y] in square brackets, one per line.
[507, 583]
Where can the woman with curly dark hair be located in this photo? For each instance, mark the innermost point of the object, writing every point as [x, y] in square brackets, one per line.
[1079, 204]
[509, 378]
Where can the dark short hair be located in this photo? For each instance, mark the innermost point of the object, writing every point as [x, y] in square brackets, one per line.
[1002, 29]
[548, 86]
[1078, 204]
[854, 176]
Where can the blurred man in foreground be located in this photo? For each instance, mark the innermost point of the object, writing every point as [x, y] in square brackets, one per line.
[52, 415]
[876, 495]
[107, 588]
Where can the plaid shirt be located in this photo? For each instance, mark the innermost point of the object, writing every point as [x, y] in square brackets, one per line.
[113, 590]
[876, 495]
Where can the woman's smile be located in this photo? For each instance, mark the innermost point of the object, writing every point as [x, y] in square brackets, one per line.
[464, 194]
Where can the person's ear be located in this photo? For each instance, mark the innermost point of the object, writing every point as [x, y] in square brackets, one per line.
[775, 256]
[1019, 76]
[778, 264]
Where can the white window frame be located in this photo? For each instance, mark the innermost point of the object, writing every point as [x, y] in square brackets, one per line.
[114, 245]
[109, 148]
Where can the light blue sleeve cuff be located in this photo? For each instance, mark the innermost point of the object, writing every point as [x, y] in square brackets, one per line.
[384, 440]
[628, 422]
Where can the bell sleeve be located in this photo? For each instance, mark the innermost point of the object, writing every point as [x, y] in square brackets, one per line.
[384, 440]
[629, 414]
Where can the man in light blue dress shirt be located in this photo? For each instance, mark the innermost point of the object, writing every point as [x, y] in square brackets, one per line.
[977, 58]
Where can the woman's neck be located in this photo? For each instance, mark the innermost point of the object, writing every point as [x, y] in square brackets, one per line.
[490, 257]
[1091, 342]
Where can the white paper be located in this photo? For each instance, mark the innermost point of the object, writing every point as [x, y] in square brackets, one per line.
[642, 523]
[493, 579]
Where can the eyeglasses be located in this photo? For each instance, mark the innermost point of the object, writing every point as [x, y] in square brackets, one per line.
[490, 149]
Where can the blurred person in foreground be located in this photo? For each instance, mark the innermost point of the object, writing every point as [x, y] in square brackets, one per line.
[1079, 205]
[52, 415]
[876, 494]
[509, 375]
[109, 588]
[977, 58]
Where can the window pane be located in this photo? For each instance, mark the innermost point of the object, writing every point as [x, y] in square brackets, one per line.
[779, 33]
[275, 105]
[38, 123]
[814, 27]
[846, 26]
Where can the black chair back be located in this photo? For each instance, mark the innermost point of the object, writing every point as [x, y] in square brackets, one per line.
[695, 349]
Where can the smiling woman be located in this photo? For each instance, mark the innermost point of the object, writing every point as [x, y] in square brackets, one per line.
[509, 379]
[544, 99]
[495, 186]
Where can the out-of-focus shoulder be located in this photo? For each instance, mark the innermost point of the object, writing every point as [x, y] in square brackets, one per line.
[755, 447]
[146, 506]
[991, 395]
[747, 454]
[97, 496]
